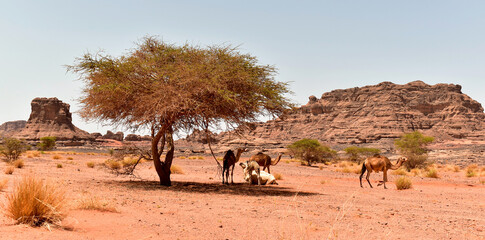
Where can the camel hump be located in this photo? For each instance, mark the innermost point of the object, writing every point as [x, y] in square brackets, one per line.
[259, 153]
[377, 155]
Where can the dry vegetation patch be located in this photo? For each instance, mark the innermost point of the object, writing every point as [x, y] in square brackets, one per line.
[432, 173]
[403, 183]
[19, 163]
[93, 203]
[3, 183]
[36, 202]
[278, 176]
[175, 169]
[9, 170]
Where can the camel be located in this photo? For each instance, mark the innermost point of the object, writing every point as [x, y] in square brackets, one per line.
[250, 167]
[265, 160]
[230, 160]
[252, 177]
[379, 163]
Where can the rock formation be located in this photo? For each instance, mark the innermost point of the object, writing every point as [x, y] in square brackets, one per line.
[10, 128]
[51, 117]
[114, 136]
[373, 113]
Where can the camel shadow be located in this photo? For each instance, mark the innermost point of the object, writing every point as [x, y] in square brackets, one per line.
[212, 188]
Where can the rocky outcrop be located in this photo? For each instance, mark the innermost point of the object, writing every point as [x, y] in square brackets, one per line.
[119, 136]
[10, 128]
[51, 117]
[133, 138]
[373, 113]
[201, 137]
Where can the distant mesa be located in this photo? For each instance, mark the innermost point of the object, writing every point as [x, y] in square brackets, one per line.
[373, 113]
[10, 128]
[51, 117]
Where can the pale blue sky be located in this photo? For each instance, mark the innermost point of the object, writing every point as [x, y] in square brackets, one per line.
[318, 46]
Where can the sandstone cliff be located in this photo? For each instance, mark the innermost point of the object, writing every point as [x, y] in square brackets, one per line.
[373, 113]
[9, 128]
[51, 117]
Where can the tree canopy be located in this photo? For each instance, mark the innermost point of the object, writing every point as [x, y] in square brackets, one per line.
[168, 88]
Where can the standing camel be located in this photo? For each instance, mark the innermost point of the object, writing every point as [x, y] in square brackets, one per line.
[230, 160]
[379, 163]
[265, 160]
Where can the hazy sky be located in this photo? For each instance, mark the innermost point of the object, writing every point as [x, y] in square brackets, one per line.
[317, 46]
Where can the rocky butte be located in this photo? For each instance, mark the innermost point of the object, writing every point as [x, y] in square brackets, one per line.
[377, 113]
[51, 117]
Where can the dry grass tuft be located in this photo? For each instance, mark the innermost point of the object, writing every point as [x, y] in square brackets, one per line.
[416, 172]
[19, 163]
[403, 183]
[93, 203]
[112, 164]
[350, 169]
[90, 164]
[56, 157]
[323, 182]
[3, 183]
[70, 158]
[320, 167]
[36, 202]
[432, 173]
[59, 165]
[174, 169]
[200, 157]
[278, 176]
[9, 170]
[400, 171]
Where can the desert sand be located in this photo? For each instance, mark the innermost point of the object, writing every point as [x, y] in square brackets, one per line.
[316, 202]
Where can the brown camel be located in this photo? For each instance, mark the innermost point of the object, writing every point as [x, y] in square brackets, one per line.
[230, 160]
[379, 163]
[265, 160]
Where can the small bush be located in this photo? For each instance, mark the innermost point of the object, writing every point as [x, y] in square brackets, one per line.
[59, 165]
[278, 176]
[90, 164]
[432, 173]
[36, 202]
[403, 183]
[19, 163]
[47, 143]
[9, 170]
[3, 183]
[310, 150]
[112, 164]
[400, 171]
[200, 157]
[93, 203]
[416, 172]
[413, 146]
[174, 169]
[471, 170]
[323, 182]
[56, 157]
[70, 158]
[12, 148]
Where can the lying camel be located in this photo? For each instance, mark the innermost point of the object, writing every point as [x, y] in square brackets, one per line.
[230, 160]
[265, 160]
[252, 177]
[379, 163]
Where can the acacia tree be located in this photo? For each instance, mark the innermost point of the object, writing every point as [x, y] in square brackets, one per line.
[168, 88]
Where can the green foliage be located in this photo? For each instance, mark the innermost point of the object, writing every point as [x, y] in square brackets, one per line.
[358, 153]
[12, 148]
[311, 150]
[413, 146]
[47, 143]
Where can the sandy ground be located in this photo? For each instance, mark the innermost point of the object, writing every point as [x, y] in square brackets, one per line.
[308, 203]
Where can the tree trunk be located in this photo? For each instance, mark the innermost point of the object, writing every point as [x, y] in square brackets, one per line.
[163, 168]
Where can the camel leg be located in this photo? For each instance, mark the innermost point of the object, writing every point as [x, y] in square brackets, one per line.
[362, 174]
[227, 176]
[367, 177]
[385, 179]
[259, 177]
[268, 169]
[232, 174]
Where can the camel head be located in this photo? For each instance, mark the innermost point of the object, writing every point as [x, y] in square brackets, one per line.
[402, 159]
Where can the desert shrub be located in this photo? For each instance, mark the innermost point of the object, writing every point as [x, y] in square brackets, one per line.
[59, 165]
[359, 153]
[3, 183]
[278, 176]
[93, 203]
[200, 157]
[310, 150]
[19, 163]
[432, 173]
[36, 202]
[9, 170]
[12, 148]
[413, 146]
[90, 164]
[47, 143]
[56, 157]
[112, 164]
[400, 171]
[174, 169]
[70, 158]
[403, 183]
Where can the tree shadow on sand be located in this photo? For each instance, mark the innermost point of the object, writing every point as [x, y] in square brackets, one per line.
[213, 188]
